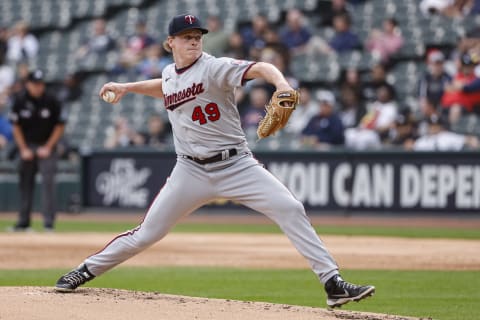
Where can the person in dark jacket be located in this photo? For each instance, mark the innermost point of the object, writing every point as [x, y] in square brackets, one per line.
[38, 124]
[326, 128]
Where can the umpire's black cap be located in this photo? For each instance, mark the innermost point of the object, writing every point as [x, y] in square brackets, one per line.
[36, 76]
[184, 22]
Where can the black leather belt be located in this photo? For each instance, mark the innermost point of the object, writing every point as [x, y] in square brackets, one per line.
[224, 155]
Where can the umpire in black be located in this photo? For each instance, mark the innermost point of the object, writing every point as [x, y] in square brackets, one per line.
[38, 124]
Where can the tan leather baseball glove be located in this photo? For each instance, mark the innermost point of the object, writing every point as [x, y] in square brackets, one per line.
[278, 111]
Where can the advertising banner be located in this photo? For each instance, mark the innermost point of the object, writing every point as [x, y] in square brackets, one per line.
[347, 181]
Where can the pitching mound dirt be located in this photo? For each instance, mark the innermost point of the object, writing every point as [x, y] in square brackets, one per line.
[43, 303]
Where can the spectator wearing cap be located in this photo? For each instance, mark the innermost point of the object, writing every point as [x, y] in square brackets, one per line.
[431, 85]
[427, 110]
[324, 129]
[473, 86]
[134, 46]
[458, 103]
[38, 124]
[439, 138]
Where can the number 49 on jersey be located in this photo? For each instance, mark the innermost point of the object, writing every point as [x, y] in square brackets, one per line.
[210, 112]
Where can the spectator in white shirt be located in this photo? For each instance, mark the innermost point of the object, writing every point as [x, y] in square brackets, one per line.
[375, 125]
[439, 138]
[22, 45]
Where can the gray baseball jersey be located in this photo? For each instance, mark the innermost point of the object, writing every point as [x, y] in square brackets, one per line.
[201, 104]
[206, 123]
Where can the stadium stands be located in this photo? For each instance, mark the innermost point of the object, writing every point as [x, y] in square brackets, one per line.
[61, 26]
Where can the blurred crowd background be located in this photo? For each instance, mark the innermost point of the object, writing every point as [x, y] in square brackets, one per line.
[373, 74]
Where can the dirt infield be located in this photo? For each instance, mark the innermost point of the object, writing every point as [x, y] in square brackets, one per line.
[43, 304]
[65, 250]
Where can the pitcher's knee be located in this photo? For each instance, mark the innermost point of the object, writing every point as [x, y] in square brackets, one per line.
[145, 239]
[292, 209]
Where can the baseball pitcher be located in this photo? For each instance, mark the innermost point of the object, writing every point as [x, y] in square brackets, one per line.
[213, 158]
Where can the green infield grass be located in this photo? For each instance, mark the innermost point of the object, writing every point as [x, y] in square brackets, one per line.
[113, 226]
[437, 294]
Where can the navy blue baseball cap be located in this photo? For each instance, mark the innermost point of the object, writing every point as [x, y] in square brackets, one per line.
[184, 22]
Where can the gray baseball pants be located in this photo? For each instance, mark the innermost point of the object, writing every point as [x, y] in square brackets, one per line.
[241, 179]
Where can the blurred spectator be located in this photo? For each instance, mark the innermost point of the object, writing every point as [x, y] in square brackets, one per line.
[403, 132]
[20, 78]
[133, 48]
[352, 109]
[433, 82]
[279, 60]
[99, 42]
[439, 138]
[5, 128]
[344, 40]
[305, 110]
[155, 60]
[386, 42]
[325, 128]
[7, 79]
[375, 125]
[448, 8]
[253, 34]
[350, 78]
[458, 102]
[236, 47]
[121, 135]
[431, 7]
[70, 89]
[377, 78]
[295, 35]
[474, 7]
[157, 134]
[255, 110]
[4, 35]
[328, 9]
[22, 45]
[215, 42]
[427, 110]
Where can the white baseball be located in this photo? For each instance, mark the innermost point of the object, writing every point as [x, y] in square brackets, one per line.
[108, 96]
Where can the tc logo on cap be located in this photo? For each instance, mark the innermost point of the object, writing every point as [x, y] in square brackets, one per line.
[190, 19]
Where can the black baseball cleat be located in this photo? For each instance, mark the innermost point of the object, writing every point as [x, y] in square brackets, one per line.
[340, 292]
[73, 279]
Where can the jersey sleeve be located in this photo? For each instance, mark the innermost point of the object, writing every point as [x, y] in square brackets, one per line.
[228, 72]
